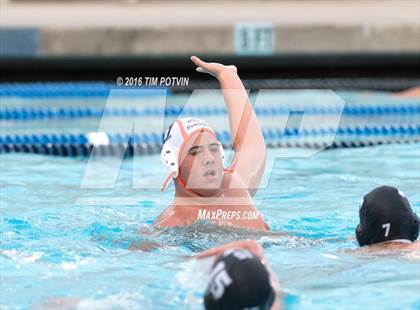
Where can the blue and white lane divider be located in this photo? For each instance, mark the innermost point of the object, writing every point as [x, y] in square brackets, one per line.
[71, 90]
[31, 113]
[128, 150]
[150, 143]
[223, 136]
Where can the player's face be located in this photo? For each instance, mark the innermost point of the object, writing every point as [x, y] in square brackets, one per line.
[202, 164]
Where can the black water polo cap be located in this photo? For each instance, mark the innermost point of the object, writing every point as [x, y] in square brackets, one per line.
[239, 280]
[386, 215]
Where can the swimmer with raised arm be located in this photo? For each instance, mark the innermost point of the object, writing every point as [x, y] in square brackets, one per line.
[204, 189]
[387, 221]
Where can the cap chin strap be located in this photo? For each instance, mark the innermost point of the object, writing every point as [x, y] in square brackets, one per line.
[167, 180]
[184, 185]
[181, 181]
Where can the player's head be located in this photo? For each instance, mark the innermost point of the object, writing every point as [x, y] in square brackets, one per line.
[385, 216]
[193, 156]
[239, 280]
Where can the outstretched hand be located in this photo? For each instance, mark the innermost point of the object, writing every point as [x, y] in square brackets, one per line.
[212, 68]
[250, 245]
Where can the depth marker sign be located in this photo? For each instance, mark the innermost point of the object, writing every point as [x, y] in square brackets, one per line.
[254, 38]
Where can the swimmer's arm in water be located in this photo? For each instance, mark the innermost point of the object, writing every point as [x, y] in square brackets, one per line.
[254, 247]
[247, 138]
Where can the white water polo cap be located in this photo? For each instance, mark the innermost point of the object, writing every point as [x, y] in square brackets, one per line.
[174, 139]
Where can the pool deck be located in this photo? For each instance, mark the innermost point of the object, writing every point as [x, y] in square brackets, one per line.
[185, 27]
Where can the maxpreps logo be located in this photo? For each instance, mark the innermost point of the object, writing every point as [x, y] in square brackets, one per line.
[223, 215]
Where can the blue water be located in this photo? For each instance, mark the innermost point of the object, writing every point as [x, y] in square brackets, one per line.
[53, 245]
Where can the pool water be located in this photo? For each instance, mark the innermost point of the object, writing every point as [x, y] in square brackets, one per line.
[53, 245]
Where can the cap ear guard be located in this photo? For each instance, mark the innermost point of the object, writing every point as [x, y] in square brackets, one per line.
[416, 227]
[359, 231]
[415, 221]
[270, 300]
[209, 302]
[168, 158]
[359, 235]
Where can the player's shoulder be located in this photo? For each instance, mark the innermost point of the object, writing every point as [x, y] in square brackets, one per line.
[166, 217]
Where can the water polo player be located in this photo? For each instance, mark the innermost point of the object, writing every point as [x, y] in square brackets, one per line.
[387, 220]
[241, 278]
[204, 189]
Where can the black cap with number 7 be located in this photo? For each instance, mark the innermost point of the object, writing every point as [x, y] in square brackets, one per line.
[386, 216]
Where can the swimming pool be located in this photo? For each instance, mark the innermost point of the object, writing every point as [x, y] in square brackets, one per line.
[52, 247]
[56, 244]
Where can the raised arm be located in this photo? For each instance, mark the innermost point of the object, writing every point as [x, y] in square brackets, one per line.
[247, 139]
